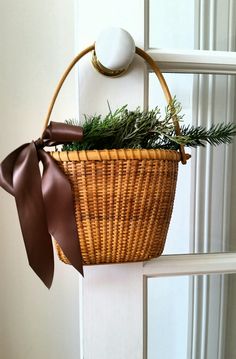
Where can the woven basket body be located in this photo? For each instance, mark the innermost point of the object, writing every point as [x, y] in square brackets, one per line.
[123, 202]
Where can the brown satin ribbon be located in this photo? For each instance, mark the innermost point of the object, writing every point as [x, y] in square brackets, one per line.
[44, 203]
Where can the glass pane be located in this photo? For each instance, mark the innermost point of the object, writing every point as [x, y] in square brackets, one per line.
[192, 317]
[192, 24]
[167, 28]
[205, 203]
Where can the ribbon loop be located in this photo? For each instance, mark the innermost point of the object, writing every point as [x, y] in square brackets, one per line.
[44, 204]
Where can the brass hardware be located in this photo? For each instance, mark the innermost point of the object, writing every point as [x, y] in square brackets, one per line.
[105, 71]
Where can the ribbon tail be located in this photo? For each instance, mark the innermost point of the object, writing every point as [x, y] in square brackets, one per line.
[7, 169]
[29, 200]
[59, 208]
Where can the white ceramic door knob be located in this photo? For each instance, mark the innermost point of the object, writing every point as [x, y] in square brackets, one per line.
[114, 51]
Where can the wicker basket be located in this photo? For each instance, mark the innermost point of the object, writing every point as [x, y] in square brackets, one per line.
[123, 199]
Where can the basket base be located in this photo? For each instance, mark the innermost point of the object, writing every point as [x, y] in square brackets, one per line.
[65, 260]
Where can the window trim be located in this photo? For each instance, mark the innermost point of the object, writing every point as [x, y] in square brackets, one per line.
[195, 61]
[189, 264]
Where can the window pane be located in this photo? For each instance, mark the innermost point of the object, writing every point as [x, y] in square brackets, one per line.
[167, 28]
[205, 203]
[192, 317]
[193, 24]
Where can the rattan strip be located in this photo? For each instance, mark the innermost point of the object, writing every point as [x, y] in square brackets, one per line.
[104, 155]
[137, 209]
[144, 211]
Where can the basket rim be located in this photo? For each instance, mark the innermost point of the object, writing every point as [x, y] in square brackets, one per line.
[117, 154]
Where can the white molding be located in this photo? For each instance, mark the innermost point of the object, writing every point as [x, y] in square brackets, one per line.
[232, 26]
[203, 315]
[191, 320]
[195, 61]
[146, 23]
[208, 167]
[223, 315]
[145, 317]
[189, 264]
[227, 170]
[81, 316]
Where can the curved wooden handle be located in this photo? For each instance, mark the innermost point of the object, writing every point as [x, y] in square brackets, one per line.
[62, 80]
[152, 64]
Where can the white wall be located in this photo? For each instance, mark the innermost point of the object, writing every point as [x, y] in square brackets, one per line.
[36, 43]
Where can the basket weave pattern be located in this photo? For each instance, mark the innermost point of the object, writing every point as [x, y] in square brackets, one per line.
[122, 206]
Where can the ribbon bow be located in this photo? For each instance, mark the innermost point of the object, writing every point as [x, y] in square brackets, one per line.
[44, 203]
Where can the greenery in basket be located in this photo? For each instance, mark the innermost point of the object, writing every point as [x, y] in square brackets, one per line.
[146, 129]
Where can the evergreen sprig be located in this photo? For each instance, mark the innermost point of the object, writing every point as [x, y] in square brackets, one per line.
[199, 136]
[146, 129]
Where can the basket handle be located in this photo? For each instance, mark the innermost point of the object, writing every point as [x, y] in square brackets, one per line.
[155, 69]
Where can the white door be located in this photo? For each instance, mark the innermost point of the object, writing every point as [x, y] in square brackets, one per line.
[176, 306]
[160, 309]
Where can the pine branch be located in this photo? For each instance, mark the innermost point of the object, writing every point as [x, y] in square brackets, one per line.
[199, 136]
[146, 129]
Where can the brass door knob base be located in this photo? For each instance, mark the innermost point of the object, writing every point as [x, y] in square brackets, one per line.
[104, 70]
